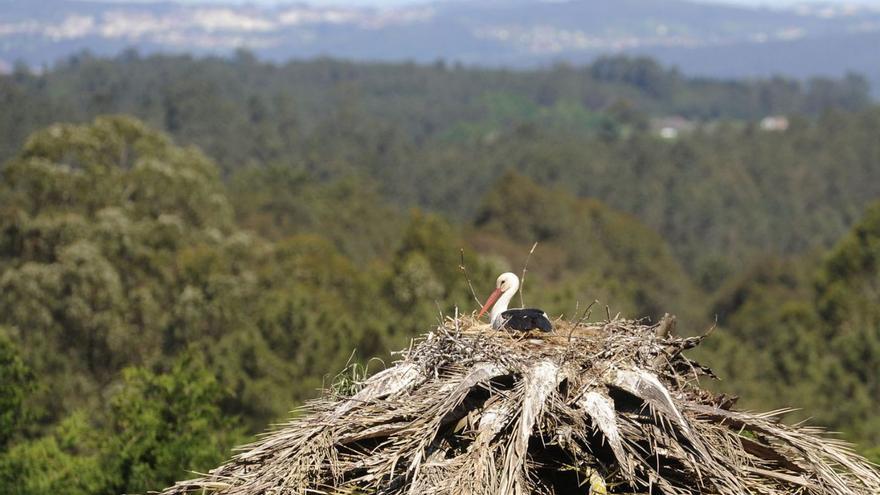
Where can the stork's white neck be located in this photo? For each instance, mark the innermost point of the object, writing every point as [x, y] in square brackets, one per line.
[502, 303]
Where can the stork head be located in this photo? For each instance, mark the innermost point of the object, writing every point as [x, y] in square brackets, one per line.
[507, 283]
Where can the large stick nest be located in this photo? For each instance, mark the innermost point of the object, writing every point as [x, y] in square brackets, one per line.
[600, 408]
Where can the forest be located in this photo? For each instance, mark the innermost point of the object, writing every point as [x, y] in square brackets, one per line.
[191, 248]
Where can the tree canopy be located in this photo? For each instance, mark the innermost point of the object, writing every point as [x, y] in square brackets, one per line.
[176, 279]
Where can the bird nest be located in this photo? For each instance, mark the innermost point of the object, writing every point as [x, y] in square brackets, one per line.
[613, 407]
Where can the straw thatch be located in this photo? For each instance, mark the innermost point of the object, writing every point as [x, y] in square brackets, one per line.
[602, 408]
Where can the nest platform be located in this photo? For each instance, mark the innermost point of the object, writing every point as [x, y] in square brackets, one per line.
[609, 407]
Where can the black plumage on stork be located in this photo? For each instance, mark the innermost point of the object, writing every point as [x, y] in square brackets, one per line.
[523, 319]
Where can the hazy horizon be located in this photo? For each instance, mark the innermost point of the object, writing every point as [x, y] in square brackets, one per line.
[694, 36]
[381, 3]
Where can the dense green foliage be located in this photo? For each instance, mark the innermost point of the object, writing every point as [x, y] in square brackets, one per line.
[437, 137]
[16, 382]
[158, 307]
[154, 429]
[244, 110]
[120, 249]
[810, 330]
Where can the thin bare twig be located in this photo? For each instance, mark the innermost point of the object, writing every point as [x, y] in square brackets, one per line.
[522, 280]
[440, 316]
[468, 279]
[587, 313]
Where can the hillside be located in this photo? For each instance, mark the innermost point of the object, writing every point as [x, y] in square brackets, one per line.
[810, 329]
[174, 283]
[521, 33]
[725, 185]
[127, 277]
[145, 329]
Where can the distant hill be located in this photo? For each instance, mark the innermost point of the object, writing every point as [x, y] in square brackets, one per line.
[714, 40]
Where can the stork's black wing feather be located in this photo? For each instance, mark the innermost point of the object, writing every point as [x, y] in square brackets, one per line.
[526, 319]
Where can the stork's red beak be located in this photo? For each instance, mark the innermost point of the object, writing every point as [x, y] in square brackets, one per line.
[489, 302]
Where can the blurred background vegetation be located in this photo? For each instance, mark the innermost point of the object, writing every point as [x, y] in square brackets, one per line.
[189, 248]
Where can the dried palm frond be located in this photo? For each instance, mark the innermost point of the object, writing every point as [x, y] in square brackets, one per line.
[600, 408]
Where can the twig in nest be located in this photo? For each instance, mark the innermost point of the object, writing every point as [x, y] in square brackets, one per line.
[522, 280]
[587, 313]
[712, 328]
[668, 436]
[666, 326]
[439, 313]
[468, 279]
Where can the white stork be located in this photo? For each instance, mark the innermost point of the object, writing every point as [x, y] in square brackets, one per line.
[523, 319]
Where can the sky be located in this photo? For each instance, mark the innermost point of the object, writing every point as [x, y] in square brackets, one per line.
[781, 3]
[386, 3]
